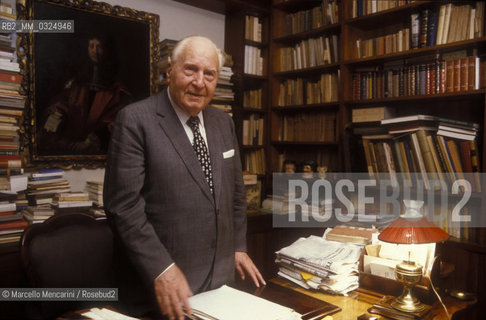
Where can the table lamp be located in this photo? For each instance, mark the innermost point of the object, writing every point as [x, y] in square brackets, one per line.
[411, 228]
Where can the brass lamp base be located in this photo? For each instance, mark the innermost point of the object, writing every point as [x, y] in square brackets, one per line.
[384, 308]
[409, 274]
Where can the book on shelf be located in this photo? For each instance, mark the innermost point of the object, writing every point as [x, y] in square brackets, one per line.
[373, 114]
[253, 28]
[253, 61]
[254, 161]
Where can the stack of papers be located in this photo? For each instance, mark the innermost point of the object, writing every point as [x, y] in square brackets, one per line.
[227, 303]
[106, 314]
[320, 264]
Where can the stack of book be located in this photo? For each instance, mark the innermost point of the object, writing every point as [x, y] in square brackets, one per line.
[95, 192]
[12, 223]
[11, 104]
[43, 185]
[38, 213]
[320, 264]
[71, 201]
[224, 95]
[165, 50]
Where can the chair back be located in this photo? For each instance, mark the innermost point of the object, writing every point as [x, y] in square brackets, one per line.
[71, 250]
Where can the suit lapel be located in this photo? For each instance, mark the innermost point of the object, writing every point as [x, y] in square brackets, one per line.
[169, 122]
[213, 135]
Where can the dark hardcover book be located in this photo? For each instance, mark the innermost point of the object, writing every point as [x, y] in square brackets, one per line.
[432, 27]
[7, 197]
[424, 26]
[414, 30]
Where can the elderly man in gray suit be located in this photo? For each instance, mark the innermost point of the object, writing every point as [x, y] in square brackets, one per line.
[173, 188]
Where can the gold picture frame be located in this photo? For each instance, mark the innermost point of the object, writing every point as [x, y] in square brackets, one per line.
[75, 83]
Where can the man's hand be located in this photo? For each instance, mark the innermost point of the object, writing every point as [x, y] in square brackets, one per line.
[171, 288]
[245, 266]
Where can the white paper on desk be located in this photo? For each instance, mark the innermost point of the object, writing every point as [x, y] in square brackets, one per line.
[422, 254]
[106, 314]
[227, 303]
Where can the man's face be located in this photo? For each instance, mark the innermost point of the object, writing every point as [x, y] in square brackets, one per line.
[193, 77]
[95, 50]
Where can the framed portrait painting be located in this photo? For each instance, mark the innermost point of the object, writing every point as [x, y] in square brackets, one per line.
[83, 63]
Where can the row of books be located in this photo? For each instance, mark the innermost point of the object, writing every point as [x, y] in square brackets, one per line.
[394, 42]
[424, 148]
[254, 161]
[253, 99]
[253, 130]
[308, 127]
[253, 28]
[305, 20]
[309, 53]
[324, 90]
[439, 76]
[361, 8]
[459, 22]
[253, 61]
[448, 24]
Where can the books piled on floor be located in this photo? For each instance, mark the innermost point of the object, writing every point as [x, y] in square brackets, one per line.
[71, 202]
[320, 264]
[12, 223]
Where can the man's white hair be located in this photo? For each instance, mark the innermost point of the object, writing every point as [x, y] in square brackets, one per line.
[182, 44]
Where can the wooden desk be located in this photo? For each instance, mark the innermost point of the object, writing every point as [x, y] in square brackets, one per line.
[360, 300]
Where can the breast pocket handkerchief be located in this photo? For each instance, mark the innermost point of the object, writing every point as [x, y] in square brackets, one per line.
[228, 154]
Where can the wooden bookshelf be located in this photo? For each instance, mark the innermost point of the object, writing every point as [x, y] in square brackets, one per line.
[307, 30]
[468, 105]
[469, 257]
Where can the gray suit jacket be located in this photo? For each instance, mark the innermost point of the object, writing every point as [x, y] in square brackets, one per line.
[159, 202]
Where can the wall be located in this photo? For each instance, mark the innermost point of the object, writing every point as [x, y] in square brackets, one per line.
[177, 20]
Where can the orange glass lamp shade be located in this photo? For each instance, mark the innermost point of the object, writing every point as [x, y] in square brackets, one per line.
[411, 228]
